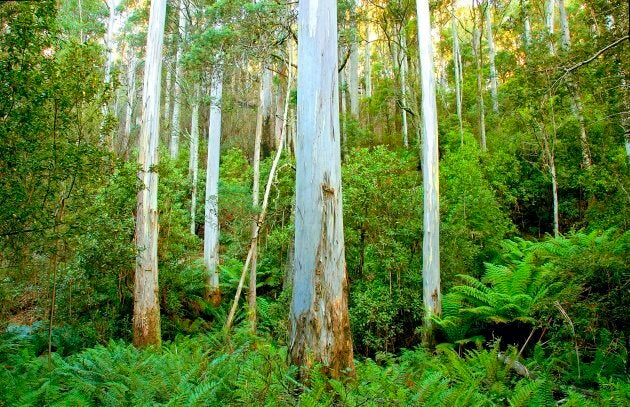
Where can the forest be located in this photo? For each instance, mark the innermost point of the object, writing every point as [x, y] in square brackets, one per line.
[314, 203]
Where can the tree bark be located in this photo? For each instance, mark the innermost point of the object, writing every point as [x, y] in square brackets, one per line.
[368, 62]
[549, 22]
[146, 310]
[319, 323]
[175, 128]
[353, 68]
[193, 162]
[267, 139]
[480, 103]
[211, 226]
[458, 75]
[432, 296]
[131, 98]
[404, 66]
[491, 57]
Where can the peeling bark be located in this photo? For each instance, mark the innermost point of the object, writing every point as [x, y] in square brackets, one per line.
[319, 324]
[432, 296]
[146, 310]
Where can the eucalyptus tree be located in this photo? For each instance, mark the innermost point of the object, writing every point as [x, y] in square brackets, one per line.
[476, 47]
[491, 58]
[319, 324]
[457, 66]
[211, 223]
[181, 40]
[193, 161]
[146, 310]
[576, 100]
[431, 292]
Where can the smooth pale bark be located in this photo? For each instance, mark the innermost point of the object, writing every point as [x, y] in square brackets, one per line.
[526, 23]
[458, 75]
[146, 308]
[260, 124]
[319, 324]
[576, 100]
[166, 112]
[549, 152]
[211, 218]
[109, 61]
[193, 162]
[368, 62]
[131, 98]
[431, 292]
[480, 103]
[177, 92]
[550, 11]
[404, 67]
[491, 57]
[267, 140]
[353, 68]
[564, 25]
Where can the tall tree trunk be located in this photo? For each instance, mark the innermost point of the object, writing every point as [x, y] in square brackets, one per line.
[431, 291]
[368, 61]
[458, 75]
[576, 100]
[146, 308]
[175, 128]
[550, 12]
[166, 112]
[404, 66]
[480, 104]
[193, 162]
[131, 98]
[109, 62]
[260, 124]
[527, 36]
[491, 57]
[211, 226]
[353, 68]
[319, 323]
[267, 140]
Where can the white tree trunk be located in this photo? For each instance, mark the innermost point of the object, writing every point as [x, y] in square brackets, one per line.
[432, 295]
[564, 25]
[131, 98]
[526, 23]
[193, 162]
[175, 128]
[404, 66]
[166, 113]
[458, 76]
[368, 62]
[482, 113]
[491, 57]
[267, 141]
[146, 309]
[263, 105]
[550, 11]
[211, 223]
[353, 68]
[319, 324]
[109, 62]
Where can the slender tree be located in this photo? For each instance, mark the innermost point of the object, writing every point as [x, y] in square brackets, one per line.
[146, 310]
[193, 162]
[491, 57]
[175, 127]
[211, 221]
[319, 323]
[432, 295]
[457, 66]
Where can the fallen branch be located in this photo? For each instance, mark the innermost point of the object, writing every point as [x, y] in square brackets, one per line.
[518, 367]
